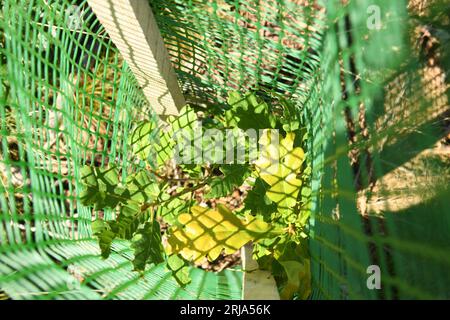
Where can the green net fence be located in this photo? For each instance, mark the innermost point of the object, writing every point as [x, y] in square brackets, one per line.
[372, 94]
[69, 99]
[382, 167]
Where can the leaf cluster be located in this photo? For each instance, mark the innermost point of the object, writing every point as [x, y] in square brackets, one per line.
[275, 211]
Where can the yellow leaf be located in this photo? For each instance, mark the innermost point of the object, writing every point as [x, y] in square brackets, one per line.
[206, 232]
[279, 165]
[298, 279]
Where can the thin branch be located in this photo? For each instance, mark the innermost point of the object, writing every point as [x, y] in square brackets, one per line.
[176, 195]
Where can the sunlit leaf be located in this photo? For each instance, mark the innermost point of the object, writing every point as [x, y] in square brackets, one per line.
[142, 139]
[179, 269]
[142, 187]
[207, 232]
[177, 138]
[298, 279]
[171, 209]
[279, 165]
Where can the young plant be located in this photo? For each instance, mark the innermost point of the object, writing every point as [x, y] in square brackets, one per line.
[275, 211]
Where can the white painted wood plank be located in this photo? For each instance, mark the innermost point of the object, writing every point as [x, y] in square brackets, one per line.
[257, 284]
[133, 29]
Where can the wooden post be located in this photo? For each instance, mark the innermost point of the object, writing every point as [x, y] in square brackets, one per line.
[133, 29]
[257, 284]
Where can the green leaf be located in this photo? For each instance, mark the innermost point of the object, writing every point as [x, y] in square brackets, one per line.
[149, 141]
[147, 246]
[105, 236]
[257, 201]
[142, 187]
[103, 190]
[187, 119]
[248, 112]
[142, 139]
[164, 147]
[294, 259]
[124, 227]
[128, 221]
[290, 120]
[265, 247]
[171, 209]
[234, 176]
[236, 100]
[179, 126]
[102, 187]
[179, 268]
[193, 170]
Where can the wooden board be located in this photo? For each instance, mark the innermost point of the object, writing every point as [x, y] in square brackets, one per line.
[257, 284]
[133, 29]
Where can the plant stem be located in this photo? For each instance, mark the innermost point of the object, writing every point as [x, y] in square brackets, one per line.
[170, 179]
[176, 195]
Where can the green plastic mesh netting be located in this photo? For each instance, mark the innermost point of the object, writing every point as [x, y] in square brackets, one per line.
[374, 100]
